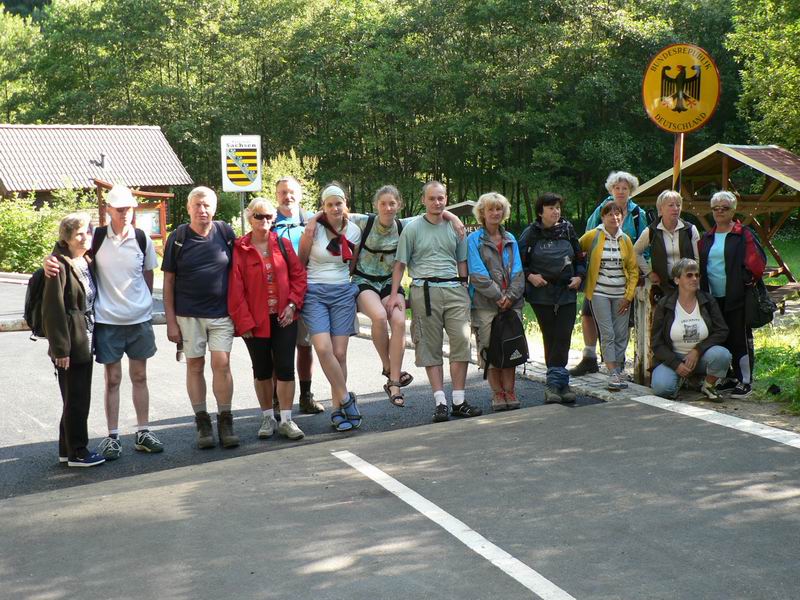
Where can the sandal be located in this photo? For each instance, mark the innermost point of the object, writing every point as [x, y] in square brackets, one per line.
[340, 422]
[405, 378]
[511, 401]
[499, 401]
[351, 411]
[397, 399]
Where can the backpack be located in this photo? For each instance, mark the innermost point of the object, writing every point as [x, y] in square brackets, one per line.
[508, 346]
[100, 234]
[33, 304]
[221, 227]
[759, 309]
[365, 234]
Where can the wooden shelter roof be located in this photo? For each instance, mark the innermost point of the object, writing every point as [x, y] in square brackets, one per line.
[49, 157]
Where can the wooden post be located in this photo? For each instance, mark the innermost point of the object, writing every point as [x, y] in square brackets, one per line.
[677, 162]
[643, 321]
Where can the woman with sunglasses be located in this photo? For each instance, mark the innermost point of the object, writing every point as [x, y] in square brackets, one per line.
[731, 260]
[329, 311]
[265, 293]
[687, 336]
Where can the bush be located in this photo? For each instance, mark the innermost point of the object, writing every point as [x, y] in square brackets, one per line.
[29, 233]
[303, 169]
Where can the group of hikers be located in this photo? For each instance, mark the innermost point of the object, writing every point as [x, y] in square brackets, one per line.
[296, 281]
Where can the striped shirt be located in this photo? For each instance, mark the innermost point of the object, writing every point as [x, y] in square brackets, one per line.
[611, 278]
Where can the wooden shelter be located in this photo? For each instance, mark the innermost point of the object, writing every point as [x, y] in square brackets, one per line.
[710, 171]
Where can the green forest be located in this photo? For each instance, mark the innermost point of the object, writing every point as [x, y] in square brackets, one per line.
[517, 96]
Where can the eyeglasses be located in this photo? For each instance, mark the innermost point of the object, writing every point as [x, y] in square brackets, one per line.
[692, 275]
[260, 217]
[123, 209]
[721, 209]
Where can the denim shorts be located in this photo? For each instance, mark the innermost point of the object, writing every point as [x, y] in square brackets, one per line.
[330, 308]
[111, 342]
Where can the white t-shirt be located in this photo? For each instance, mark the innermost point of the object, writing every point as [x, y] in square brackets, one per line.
[123, 297]
[324, 267]
[688, 329]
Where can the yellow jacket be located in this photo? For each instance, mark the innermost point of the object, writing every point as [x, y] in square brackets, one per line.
[595, 253]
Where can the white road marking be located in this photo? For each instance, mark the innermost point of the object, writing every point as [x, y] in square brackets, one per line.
[518, 570]
[781, 436]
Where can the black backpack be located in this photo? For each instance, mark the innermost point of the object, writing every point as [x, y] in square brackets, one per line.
[100, 234]
[33, 304]
[508, 346]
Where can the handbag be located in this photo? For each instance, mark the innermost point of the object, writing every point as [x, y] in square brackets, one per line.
[759, 309]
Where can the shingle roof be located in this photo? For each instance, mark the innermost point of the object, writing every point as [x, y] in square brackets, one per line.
[48, 157]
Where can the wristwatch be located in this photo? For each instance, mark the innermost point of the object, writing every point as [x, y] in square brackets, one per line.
[293, 305]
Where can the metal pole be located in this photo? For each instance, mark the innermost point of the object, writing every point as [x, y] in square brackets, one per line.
[242, 204]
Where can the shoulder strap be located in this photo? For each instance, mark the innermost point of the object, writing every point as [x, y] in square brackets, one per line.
[98, 237]
[284, 253]
[362, 243]
[399, 226]
[180, 238]
[141, 238]
[636, 217]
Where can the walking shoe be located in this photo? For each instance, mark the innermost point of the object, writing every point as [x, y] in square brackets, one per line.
[710, 391]
[309, 406]
[512, 403]
[268, 427]
[225, 430]
[109, 449]
[623, 378]
[90, 459]
[289, 429]
[614, 383]
[742, 390]
[147, 442]
[205, 434]
[726, 385]
[62, 459]
[465, 410]
[551, 395]
[567, 395]
[441, 414]
[586, 366]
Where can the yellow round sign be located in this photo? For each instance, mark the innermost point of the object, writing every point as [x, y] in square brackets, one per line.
[681, 88]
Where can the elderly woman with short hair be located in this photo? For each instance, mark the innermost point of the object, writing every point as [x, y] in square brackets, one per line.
[687, 336]
[731, 260]
[669, 239]
[496, 284]
[68, 322]
[266, 288]
[620, 185]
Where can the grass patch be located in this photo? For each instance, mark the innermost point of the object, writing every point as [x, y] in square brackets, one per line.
[778, 363]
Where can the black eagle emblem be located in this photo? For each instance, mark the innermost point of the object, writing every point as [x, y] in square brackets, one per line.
[680, 93]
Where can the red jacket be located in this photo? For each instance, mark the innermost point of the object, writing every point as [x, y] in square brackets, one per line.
[247, 290]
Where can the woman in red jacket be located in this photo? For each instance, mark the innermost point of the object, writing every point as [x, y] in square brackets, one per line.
[265, 293]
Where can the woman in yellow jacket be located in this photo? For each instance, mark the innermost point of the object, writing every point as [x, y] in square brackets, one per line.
[611, 279]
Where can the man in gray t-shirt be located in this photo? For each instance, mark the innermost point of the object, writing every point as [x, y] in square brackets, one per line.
[437, 262]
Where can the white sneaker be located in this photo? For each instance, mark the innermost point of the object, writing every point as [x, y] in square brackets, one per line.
[290, 430]
[268, 425]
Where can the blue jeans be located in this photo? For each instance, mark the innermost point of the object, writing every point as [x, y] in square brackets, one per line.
[666, 382]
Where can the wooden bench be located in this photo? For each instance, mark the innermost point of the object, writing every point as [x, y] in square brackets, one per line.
[781, 293]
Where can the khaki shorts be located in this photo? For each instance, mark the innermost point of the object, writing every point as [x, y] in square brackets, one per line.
[450, 313]
[482, 329]
[198, 332]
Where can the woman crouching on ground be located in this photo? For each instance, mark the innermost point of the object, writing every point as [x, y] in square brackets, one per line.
[496, 284]
[688, 334]
[329, 311]
[265, 294]
[68, 322]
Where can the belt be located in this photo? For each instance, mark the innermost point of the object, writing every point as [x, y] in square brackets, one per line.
[375, 278]
[426, 292]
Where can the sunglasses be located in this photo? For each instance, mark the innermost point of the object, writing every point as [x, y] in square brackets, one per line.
[721, 209]
[260, 217]
[692, 275]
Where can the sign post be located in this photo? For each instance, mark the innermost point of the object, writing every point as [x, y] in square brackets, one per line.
[241, 166]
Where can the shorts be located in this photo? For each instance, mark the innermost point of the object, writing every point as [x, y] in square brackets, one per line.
[330, 308]
[450, 307]
[482, 329]
[112, 341]
[197, 332]
[384, 292]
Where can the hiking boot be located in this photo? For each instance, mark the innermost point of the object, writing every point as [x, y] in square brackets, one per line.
[726, 386]
[614, 384]
[289, 429]
[441, 414]
[623, 378]
[586, 366]
[710, 391]
[110, 448]
[225, 430]
[205, 434]
[567, 395]
[742, 390]
[146, 441]
[551, 395]
[268, 427]
[466, 410]
[309, 406]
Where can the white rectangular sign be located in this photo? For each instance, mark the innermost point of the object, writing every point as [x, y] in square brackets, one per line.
[241, 163]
